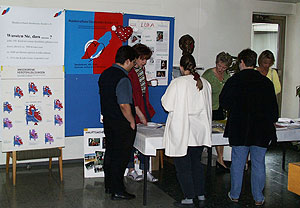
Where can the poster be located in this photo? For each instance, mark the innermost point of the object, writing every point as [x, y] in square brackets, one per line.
[31, 36]
[155, 34]
[33, 107]
[91, 41]
[94, 151]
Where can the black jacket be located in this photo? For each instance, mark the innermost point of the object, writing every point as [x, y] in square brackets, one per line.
[252, 108]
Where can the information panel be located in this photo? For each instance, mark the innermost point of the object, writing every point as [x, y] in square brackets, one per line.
[33, 107]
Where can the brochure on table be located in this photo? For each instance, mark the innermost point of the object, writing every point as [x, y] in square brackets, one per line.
[33, 107]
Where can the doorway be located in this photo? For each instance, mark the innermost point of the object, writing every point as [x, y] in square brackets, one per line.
[268, 33]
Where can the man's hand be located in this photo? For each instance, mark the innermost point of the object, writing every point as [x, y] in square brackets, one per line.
[126, 110]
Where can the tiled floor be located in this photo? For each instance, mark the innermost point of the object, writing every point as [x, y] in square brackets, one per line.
[40, 188]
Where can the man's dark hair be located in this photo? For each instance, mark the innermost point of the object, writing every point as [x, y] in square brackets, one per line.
[124, 53]
[143, 51]
[248, 56]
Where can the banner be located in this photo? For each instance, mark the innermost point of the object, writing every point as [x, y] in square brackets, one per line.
[92, 40]
[31, 36]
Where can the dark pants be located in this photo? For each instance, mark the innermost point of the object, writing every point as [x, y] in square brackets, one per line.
[189, 172]
[119, 144]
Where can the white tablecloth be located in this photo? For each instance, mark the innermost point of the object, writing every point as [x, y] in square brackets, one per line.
[149, 138]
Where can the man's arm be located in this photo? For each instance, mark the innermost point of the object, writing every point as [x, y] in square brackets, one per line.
[126, 110]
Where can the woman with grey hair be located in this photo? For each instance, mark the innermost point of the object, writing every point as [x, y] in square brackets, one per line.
[217, 77]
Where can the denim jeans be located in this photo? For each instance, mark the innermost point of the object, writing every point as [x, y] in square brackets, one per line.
[258, 170]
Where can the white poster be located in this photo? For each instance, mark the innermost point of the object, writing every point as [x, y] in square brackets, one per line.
[155, 34]
[31, 36]
[94, 151]
[33, 107]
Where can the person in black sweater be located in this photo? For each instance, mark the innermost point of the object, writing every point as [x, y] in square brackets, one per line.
[250, 100]
[118, 113]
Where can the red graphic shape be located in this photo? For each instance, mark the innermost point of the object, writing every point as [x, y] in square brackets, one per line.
[123, 33]
[107, 57]
[91, 50]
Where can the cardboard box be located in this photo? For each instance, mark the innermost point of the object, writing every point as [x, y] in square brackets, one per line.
[294, 178]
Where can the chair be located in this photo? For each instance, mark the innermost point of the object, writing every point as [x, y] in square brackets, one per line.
[34, 154]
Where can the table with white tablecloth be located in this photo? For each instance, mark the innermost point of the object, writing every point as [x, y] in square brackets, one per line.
[150, 138]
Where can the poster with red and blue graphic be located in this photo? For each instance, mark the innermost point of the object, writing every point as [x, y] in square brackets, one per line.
[33, 107]
[92, 40]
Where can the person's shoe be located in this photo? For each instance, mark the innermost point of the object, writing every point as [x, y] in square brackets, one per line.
[259, 203]
[201, 198]
[232, 199]
[184, 203]
[151, 178]
[222, 167]
[120, 196]
[134, 176]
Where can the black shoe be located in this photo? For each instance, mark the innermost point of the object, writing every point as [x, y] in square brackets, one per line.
[107, 191]
[125, 195]
[221, 167]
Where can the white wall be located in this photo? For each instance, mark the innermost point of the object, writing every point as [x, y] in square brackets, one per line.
[216, 25]
[291, 76]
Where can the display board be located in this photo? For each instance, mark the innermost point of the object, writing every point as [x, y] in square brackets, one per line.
[94, 151]
[86, 58]
[33, 107]
[154, 34]
[32, 78]
[31, 36]
[91, 42]
[156, 25]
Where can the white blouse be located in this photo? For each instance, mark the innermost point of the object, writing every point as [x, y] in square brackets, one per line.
[189, 121]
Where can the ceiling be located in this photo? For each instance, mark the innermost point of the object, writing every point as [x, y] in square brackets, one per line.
[285, 1]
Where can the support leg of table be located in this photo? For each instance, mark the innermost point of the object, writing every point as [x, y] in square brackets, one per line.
[283, 145]
[145, 180]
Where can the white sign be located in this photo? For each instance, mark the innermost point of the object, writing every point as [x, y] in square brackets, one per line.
[31, 36]
[33, 108]
[94, 151]
[155, 34]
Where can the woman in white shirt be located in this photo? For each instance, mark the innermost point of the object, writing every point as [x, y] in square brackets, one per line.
[188, 128]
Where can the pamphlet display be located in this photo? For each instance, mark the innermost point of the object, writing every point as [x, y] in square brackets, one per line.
[94, 151]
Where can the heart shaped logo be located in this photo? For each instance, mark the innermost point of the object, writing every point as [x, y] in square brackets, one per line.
[123, 33]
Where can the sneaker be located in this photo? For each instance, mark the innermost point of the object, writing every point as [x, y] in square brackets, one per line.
[201, 198]
[134, 176]
[232, 199]
[259, 203]
[151, 178]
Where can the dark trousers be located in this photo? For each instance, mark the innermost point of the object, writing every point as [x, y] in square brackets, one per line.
[119, 144]
[189, 171]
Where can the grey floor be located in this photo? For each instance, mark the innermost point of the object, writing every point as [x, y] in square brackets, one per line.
[40, 188]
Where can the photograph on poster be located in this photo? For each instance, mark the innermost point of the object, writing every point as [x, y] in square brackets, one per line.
[160, 36]
[94, 141]
[160, 73]
[163, 64]
[135, 39]
[90, 157]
